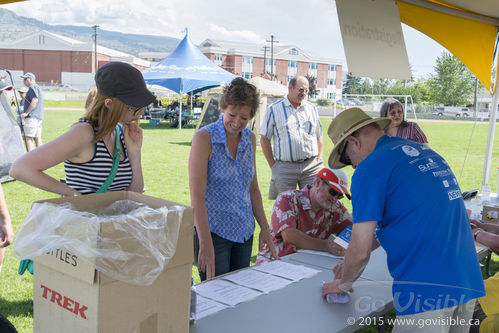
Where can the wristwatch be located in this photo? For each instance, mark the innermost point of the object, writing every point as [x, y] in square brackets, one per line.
[476, 233]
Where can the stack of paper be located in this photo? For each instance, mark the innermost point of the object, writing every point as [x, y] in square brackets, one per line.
[257, 280]
[226, 292]
[286, 270]
[206, 307]
[246, 284]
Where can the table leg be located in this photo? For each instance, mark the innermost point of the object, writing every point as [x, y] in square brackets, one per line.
[487, 265]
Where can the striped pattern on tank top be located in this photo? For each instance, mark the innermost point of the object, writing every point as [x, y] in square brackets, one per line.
[88, 177]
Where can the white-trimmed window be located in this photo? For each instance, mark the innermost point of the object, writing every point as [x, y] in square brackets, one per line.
[247, 60]
[217, 59]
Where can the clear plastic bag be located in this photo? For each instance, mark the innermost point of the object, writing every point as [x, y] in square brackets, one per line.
[128, 241]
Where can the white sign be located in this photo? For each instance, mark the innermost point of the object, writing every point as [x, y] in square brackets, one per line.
[373, 39]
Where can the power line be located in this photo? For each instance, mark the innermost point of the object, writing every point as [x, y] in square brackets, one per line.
[265, 48]
[95, 47]
[272, 41]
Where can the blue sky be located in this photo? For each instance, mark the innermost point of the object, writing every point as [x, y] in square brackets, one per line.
[311, 25]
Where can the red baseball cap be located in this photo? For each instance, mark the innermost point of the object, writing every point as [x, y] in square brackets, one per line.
[336, 178]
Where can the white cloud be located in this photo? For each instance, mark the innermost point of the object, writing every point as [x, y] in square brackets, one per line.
[219, 32]
[311, 25]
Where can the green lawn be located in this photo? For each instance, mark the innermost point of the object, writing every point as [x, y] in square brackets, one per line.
[165, 154]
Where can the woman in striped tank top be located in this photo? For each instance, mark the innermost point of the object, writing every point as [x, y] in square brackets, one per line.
[88, 147]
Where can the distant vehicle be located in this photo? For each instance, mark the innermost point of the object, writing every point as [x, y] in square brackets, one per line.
[356, 101]
[63, 86]
[457, 111]
[345, 102]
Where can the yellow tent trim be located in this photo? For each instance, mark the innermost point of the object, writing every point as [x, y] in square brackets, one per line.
[2, 2]
[470, 41]
[454, 6]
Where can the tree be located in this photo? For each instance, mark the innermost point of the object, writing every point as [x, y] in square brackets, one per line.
[352, 85]
[453, 82]
[382, 86]
[312, 86]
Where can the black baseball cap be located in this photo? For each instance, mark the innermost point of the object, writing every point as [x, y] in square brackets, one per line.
[126, 83]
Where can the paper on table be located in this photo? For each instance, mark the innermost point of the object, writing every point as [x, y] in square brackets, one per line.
[206, 307]
[226, 292]
[320, 253]
[286, 270]
[257, 280]
[480, 248]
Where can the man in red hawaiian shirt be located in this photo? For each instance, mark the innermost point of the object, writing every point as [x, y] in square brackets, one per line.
[306, 218]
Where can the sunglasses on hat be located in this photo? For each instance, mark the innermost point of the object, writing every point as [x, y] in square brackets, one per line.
[333, 192]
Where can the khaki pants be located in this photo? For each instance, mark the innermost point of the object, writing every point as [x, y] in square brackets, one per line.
[287, 175]
[455, 319]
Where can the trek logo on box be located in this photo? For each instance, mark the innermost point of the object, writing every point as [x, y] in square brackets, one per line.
[343, 238]
[64, 302]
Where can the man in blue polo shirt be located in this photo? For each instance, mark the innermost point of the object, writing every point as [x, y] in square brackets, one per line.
[32, 115]
[406, 193]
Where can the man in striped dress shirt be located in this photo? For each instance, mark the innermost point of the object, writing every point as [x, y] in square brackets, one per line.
[295, 128]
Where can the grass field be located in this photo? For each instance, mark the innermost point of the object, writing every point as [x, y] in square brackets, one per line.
[165, 154]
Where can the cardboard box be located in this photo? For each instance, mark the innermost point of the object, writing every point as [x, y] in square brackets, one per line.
[71, 296]
[490, 213]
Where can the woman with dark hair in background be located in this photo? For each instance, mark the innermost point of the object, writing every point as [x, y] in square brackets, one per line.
[224, 187]
[393, 109]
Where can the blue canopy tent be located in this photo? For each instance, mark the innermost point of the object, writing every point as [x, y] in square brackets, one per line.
[187, 70]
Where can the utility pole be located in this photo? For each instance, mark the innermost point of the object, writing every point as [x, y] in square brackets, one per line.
[95, 47]
[272, 41]
[265, 48]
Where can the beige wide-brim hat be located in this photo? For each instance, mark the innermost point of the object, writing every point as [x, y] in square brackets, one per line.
[344, 125]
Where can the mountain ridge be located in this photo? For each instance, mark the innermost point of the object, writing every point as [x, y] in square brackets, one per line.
[14, 27]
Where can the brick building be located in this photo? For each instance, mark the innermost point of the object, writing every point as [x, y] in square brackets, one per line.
[56, 59]
[248, 59]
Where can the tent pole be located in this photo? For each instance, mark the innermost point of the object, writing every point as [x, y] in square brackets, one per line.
[180, 108]
[490, 138]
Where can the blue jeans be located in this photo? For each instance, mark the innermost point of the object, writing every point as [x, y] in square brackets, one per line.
[229, 255]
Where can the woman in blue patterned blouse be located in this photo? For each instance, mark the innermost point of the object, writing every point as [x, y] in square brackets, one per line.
[224, 187]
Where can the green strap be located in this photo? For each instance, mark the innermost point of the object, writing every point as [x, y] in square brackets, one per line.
[116, 161]
[27, 264]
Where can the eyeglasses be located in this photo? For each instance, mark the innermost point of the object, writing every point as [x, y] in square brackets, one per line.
[303, 90]
[344, 156]
[134, 111]
[394, 113]
[332, 191]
